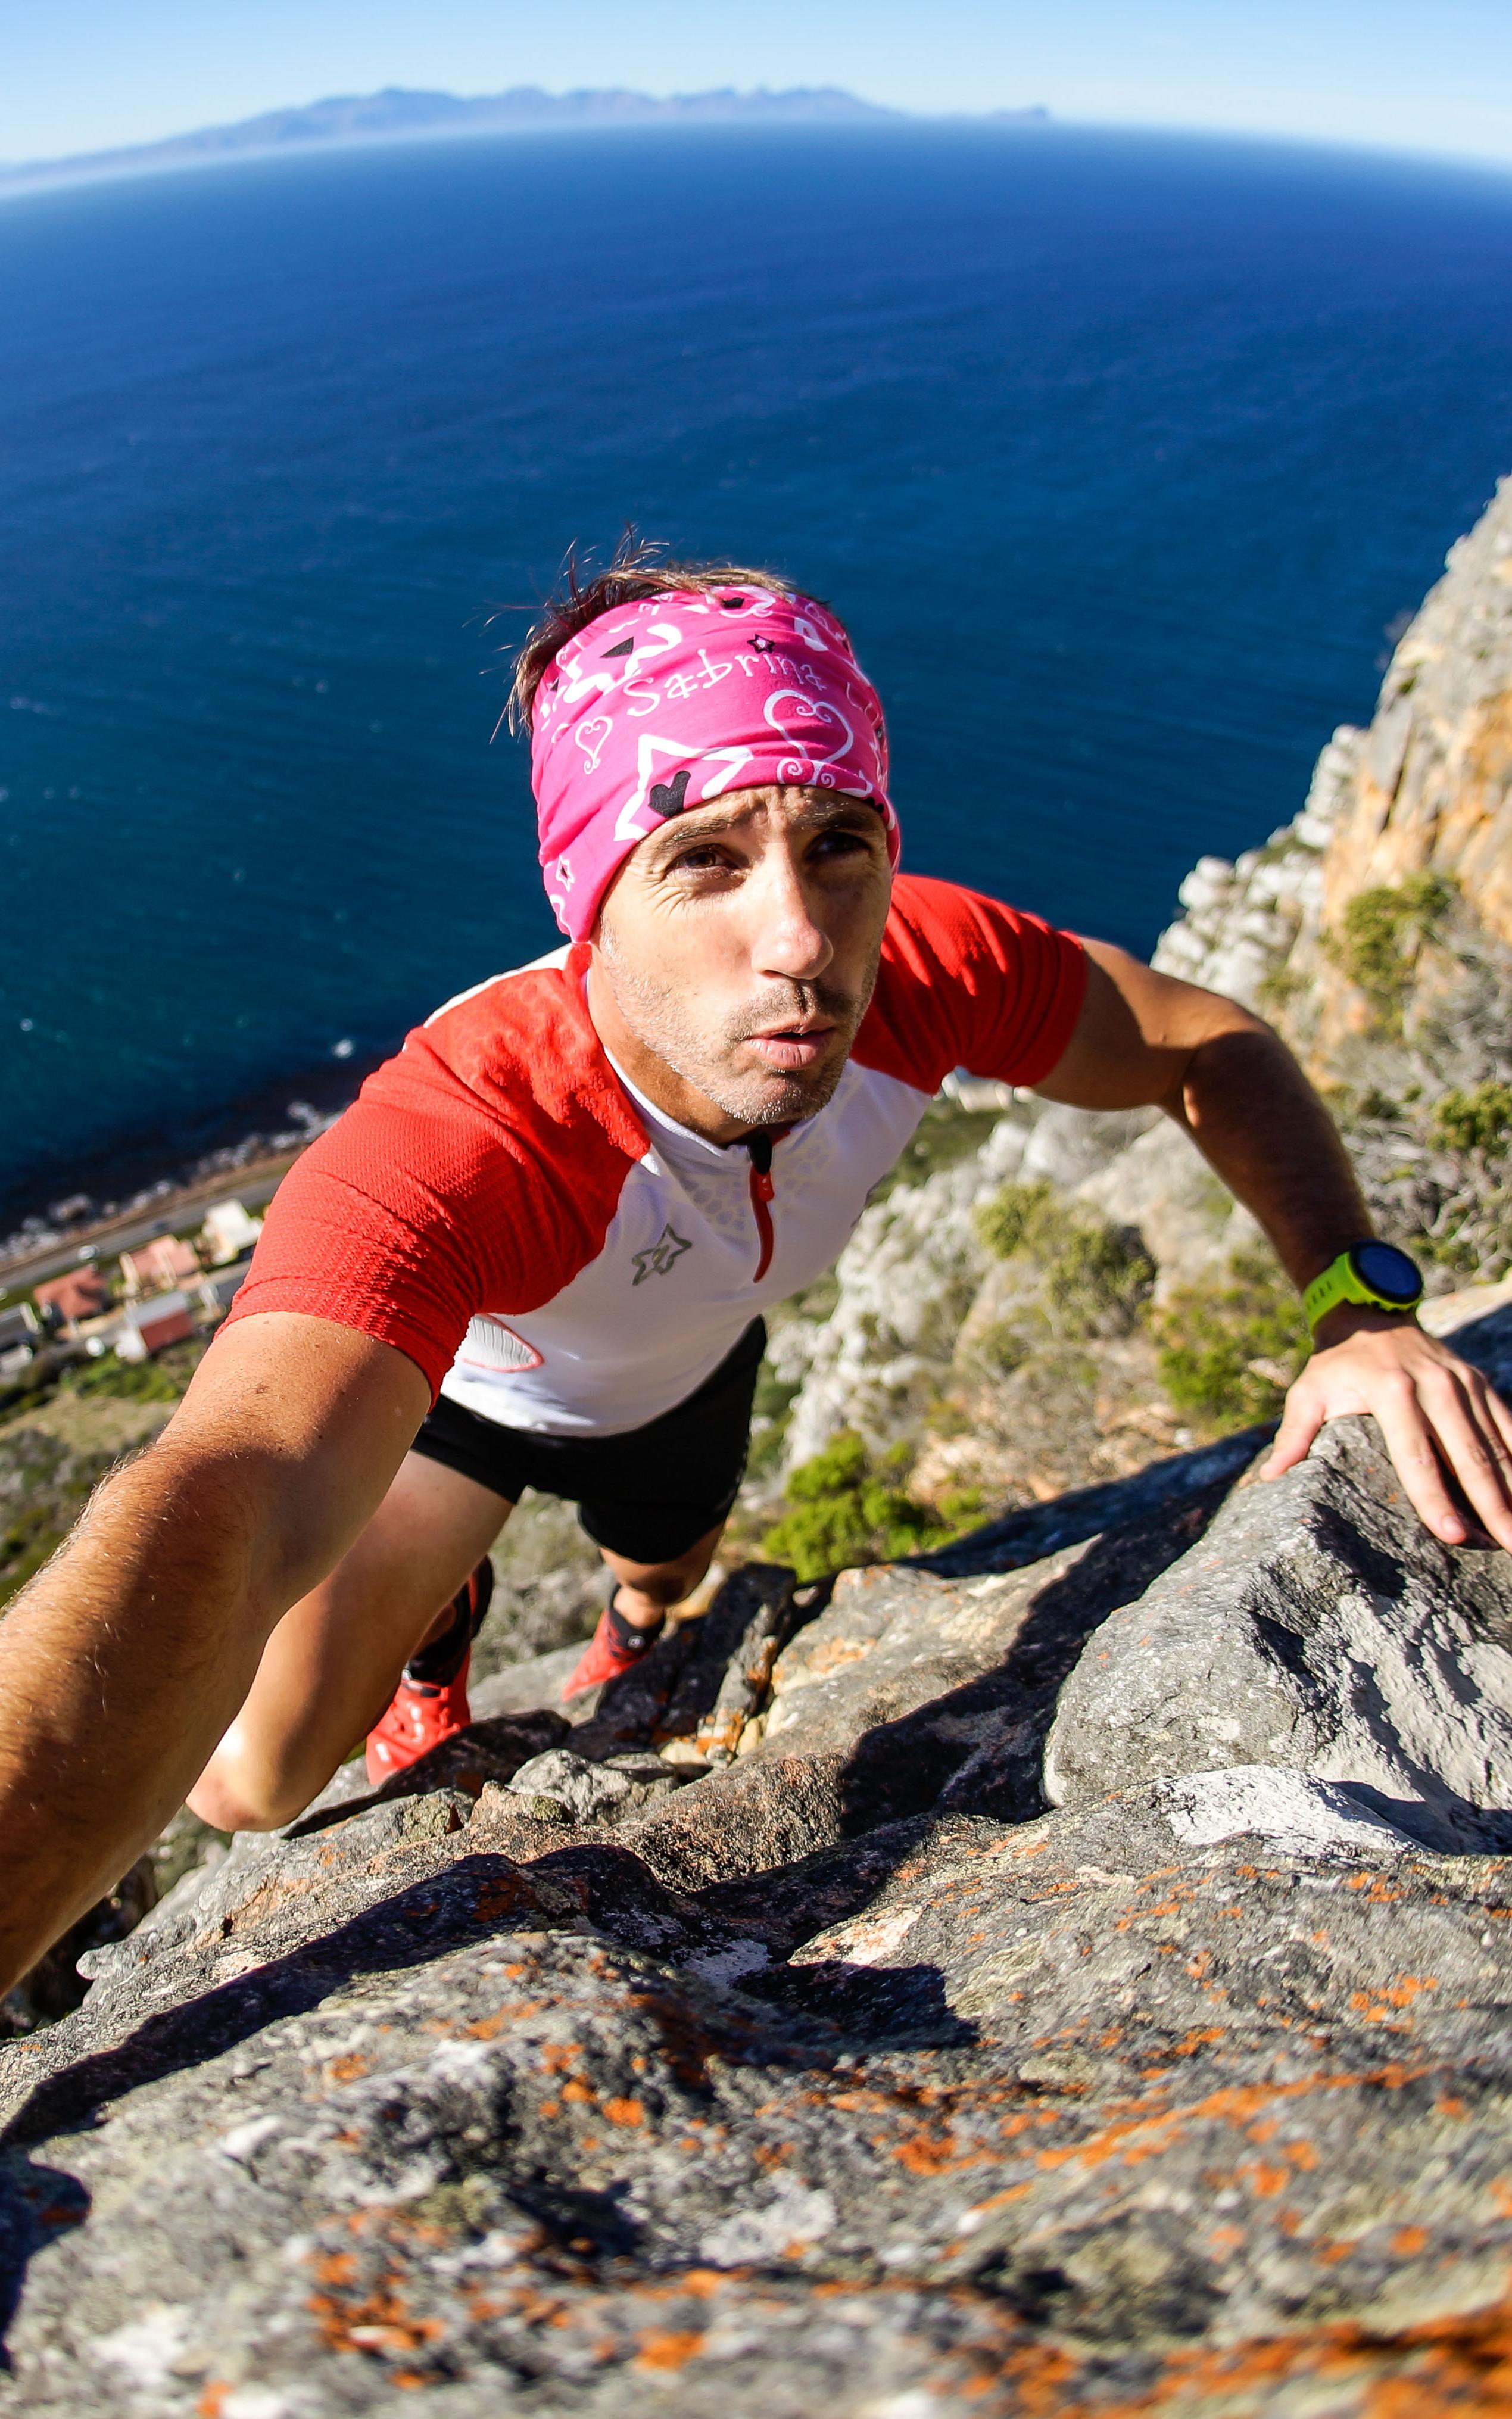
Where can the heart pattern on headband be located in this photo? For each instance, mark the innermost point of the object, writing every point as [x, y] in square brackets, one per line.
[746, 687]
[593, 737]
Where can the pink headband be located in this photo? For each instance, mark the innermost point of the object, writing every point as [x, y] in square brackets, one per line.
[659, 707]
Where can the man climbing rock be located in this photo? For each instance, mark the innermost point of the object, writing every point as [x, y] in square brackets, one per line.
[536, 1251]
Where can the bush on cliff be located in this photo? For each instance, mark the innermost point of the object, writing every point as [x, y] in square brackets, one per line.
[1229, 1347]
[1096, 1277]
[1381, 936]
[129, 1382]
[848, 1507]
[1477, 1120]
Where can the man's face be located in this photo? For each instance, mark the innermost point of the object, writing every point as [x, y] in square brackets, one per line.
[736, 951]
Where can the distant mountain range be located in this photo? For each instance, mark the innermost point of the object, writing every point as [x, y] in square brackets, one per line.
[394, 113]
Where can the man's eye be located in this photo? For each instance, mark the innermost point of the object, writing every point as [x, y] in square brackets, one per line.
[699, 861]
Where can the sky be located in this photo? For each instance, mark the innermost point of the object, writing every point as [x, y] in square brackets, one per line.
[1413, 75]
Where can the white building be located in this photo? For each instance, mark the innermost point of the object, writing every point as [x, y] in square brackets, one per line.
[227, 1232]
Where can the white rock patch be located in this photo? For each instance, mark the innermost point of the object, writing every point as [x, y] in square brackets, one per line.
[1298, 1816]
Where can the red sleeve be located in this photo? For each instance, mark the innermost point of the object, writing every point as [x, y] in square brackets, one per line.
[444, 1191]
[965, 981]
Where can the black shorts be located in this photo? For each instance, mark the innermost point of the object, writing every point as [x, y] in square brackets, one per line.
[648, 1494]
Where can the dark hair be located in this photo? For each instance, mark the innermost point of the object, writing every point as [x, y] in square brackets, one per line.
[638, 567]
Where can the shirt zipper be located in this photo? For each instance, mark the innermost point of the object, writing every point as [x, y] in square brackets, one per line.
[762, 1192]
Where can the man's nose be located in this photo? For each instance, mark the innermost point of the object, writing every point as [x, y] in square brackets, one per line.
[787, 938]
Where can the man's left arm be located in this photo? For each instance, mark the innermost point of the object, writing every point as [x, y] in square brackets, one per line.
[1146, 1039]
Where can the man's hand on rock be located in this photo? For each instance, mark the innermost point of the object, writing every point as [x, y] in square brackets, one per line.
[1437, 1414]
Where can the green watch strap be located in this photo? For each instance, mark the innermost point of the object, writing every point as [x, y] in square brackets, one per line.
[1338, 1283]
[1341, 1281]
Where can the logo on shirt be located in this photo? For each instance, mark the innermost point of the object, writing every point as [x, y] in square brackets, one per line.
[658, 1256]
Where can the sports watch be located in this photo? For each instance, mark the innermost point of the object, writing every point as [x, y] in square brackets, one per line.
[1371, 1273]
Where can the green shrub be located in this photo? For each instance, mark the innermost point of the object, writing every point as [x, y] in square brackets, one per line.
[848, 1508]
[774, 1396]
[1477, 1120]
[1014, 1217]
[960, 1506]
[1382, 931]
[1279, 987]
[160, 1381]
[132, 1382]
[1228, 1349]
[1097, 1276]
[29, 1540]
[1000, 1349]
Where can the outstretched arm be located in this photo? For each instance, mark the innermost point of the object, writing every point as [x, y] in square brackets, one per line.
[1145, 1038]
[123, 1662]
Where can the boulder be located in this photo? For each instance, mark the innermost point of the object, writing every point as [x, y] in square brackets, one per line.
[1319, 1627]
[522, 1687]
[576, 1791]
[1087, 2114]
[578, 2078]
[939, 1690]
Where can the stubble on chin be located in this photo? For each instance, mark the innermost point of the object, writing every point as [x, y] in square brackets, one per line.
[660, 1018]
[767, 1098]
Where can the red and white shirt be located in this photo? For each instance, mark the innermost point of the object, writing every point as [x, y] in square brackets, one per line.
[557, 1254]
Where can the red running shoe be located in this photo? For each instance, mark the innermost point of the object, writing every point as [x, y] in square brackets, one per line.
[616, 1647]
[430, 1703]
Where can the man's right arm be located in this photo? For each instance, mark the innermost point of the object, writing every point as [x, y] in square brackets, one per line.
[125, 1660]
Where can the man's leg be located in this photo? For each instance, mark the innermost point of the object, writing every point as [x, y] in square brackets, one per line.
[636, 1611]
[646, 1589]
[331, 1668]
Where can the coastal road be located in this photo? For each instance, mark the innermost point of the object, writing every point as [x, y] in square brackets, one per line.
[253, 1187]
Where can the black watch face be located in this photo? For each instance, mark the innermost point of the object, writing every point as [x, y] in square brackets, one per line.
[1387, 1271]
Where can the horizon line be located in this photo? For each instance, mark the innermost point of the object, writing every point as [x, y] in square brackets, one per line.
[268, 134]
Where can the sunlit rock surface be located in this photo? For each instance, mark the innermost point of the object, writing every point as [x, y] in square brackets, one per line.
[765, 2041]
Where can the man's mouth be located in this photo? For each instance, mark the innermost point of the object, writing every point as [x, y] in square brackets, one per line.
[788, 1049]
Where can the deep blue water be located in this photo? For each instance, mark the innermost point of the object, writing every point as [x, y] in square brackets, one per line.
[1119, 453]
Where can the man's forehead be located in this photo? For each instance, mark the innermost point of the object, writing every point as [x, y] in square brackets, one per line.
[789, 809]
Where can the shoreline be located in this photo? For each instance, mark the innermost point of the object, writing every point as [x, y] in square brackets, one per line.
[149, 1184]
[160, 1212]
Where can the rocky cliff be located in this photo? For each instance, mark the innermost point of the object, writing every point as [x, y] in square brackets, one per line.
[1066, 1972]
[1068, 1975]
[1376, 930]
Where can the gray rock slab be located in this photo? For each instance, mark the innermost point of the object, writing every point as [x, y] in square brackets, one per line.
[1319, 1625]
[347, 1824]
[812, 2082]
[939, 1692]
[524, 1687]
[1485, 1339]
[891, 1640]
[489, 1749]
[787, 1904]
[1082, 2115]
[582, 1792]
[752, 1817]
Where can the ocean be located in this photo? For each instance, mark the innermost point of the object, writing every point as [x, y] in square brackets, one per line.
[1123, 457]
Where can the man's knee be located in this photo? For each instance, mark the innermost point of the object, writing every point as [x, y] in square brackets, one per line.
[229, 1799]
[667, 1583]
